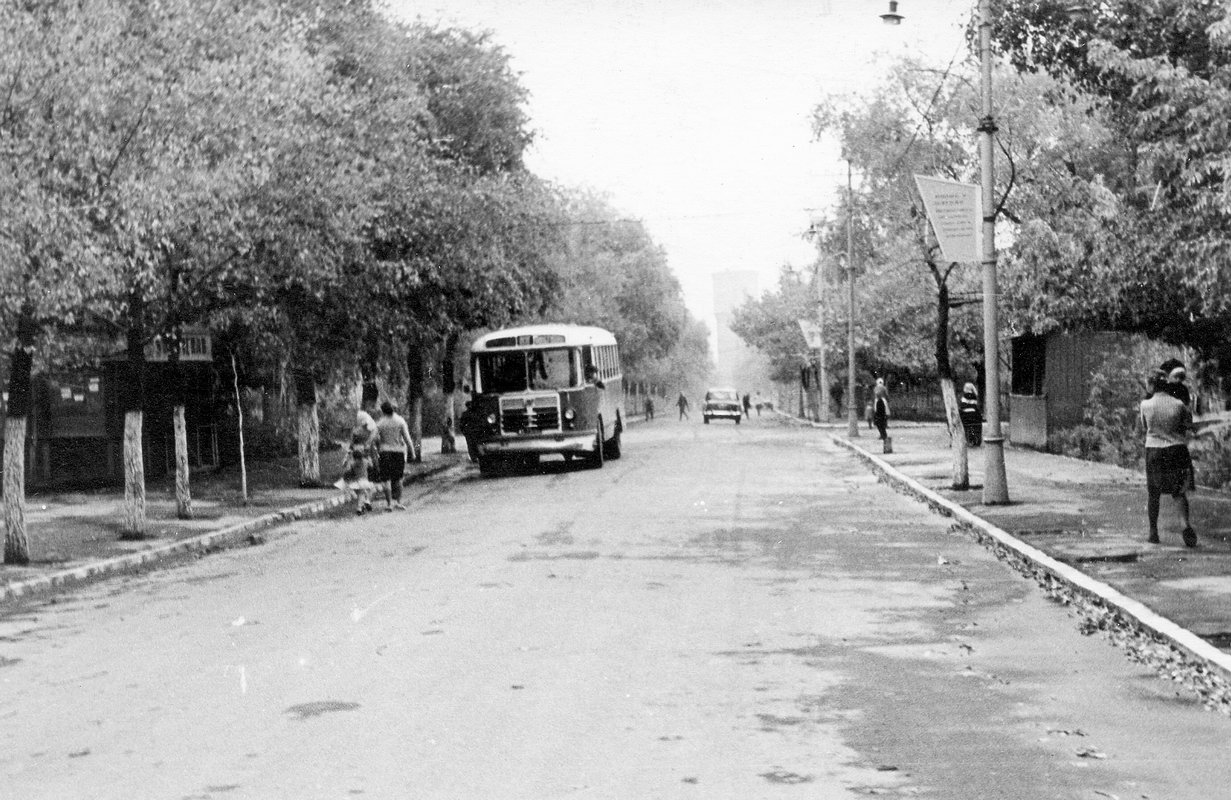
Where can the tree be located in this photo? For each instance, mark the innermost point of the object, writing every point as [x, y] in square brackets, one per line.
[1154, 253]
[613, 275]
[53, 264]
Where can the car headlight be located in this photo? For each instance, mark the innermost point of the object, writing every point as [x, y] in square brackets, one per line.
[491, 419]
[568, 414]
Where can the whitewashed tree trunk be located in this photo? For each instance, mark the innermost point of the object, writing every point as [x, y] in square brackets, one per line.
[239, 421]
[416, 425]
[309, 430]
[957, 436]
[16, 543]
[183, 494]
[134, 477]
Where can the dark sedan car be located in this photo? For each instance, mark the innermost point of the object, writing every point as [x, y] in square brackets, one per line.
[722, 404]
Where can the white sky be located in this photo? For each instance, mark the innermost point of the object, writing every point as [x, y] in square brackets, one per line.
[693, 115]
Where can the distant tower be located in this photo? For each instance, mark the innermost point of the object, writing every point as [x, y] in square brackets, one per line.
[739, 365]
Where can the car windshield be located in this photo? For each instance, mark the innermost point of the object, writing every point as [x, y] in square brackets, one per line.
[526, 370]
[720, 394]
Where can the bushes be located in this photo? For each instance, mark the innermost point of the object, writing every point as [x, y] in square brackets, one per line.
[1110, 433]
[1212, 458]
[1109, 430]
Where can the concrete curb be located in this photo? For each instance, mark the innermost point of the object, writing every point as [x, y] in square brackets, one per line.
[224, 537]
[1192, 660]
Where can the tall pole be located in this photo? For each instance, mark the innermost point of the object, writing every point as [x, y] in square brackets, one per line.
[852, 416]
[820, 353]
[995, 484]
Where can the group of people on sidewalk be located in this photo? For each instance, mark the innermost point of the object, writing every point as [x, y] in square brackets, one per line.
[377, 457]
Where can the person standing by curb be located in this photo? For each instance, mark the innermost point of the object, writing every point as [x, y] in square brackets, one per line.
[1169, 467]
[880, 408]
[682, 402]
[393, 435]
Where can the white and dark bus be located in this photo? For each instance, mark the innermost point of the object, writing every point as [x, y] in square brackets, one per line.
[545, 390]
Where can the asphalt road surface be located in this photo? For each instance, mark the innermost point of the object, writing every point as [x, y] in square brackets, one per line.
[725, 612]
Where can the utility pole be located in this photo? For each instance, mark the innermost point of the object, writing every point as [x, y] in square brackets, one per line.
[852, 417]
[995, 482]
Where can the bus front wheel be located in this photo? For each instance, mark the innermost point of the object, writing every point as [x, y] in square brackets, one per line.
[597, 457]
[613, 446]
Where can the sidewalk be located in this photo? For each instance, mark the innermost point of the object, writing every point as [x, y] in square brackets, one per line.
[1090, 519]
[75, 535]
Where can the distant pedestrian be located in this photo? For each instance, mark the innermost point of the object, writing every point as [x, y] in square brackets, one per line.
[1169, 467]
[649, 407]
[747, 403]
[970, 415]
[758, 403]
[1176, 375]
[880, 408]
[393, 435]
[682, 402]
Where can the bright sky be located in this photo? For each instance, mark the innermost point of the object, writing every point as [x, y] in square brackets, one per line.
[693, 115]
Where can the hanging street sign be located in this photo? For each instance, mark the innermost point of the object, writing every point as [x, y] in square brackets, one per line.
[956, 213]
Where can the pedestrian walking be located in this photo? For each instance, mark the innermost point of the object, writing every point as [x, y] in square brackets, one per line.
[393, 436]
[747, 404]
[880, 408]
[682, 402]
[970, 415]
[1167, 421]
[758, 403]
[649, 408]
[357, 467]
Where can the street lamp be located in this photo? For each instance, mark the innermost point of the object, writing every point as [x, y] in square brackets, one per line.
[995, 483]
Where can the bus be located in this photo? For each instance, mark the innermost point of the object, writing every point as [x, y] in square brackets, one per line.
[544, 390]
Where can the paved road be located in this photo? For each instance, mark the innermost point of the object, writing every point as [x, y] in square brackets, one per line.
[725, 612]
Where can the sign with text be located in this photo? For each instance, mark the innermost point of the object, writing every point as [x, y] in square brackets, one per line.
[956, 213]
[812, 333]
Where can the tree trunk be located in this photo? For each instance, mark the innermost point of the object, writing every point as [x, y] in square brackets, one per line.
[133, 393]
[957, 437]
[183, 495]
[179, 391]
[239, 421]
[448, 385]
[134, 478]
[414, 394]
[309, 428]
[16, 542]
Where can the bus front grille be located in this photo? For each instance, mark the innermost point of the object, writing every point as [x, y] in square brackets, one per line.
[529, 414]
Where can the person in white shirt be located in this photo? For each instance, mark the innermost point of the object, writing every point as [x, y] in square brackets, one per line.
[1167, 421]
[393, 437]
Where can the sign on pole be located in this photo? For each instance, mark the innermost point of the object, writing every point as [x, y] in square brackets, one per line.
[956, 213]
[812, 334]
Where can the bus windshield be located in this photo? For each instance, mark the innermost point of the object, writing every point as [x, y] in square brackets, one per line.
[523, 370]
